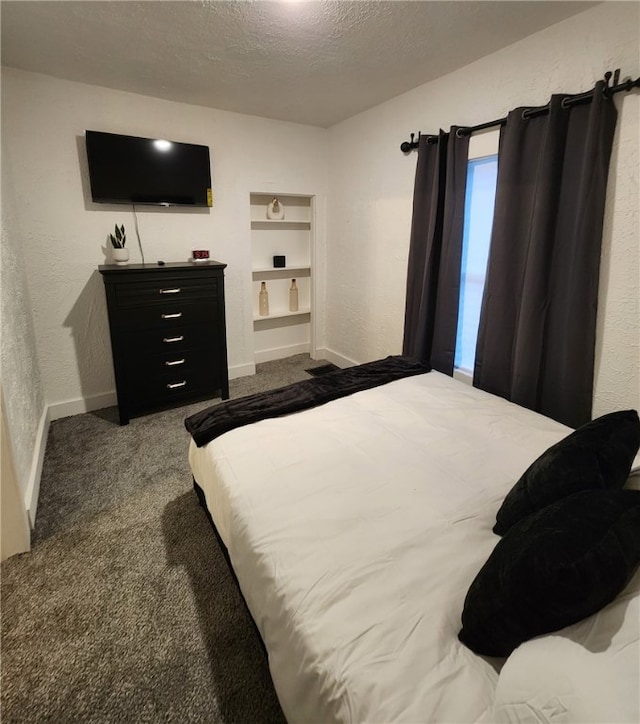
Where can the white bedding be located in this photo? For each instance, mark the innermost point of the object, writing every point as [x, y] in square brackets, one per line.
[587, 674]
[355, 530]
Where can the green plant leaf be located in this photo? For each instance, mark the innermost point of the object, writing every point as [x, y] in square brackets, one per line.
[120, 236]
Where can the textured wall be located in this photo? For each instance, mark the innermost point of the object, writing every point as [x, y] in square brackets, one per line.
[64, 232]
[369, 210]
[371, 186]
[21, 380]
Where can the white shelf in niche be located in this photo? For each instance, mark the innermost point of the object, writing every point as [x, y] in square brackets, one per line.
[257, 223]
[281, 269]
[280, 315]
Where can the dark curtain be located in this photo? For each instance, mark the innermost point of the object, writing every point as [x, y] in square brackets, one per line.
[536, 338]
[435, 251]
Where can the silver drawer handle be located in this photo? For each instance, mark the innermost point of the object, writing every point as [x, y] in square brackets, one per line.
[175, 290]
[175, 362]
[172, 316]
[174, 339]
[173, 386]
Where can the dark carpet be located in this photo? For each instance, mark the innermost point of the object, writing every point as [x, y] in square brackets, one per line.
[125, 610]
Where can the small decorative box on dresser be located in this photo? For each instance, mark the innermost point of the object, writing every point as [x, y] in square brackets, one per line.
[168, 334]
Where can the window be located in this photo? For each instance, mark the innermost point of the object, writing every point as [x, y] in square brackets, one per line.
[482, 171]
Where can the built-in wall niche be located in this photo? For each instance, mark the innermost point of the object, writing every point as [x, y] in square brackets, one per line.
[282, 332]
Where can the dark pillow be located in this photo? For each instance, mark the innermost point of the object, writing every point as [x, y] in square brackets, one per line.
[597, 455]
[552, 569]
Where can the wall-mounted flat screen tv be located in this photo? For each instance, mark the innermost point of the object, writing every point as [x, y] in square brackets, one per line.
[132, 170]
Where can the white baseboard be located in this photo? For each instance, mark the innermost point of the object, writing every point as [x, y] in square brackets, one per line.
[37, 461]
[338, 359]
[82, 404]
[55, 412]
[58, 410]
[109, 399]
[267, 355]
[244, 370]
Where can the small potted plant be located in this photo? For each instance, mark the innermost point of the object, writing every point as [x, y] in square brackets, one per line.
[120, 254]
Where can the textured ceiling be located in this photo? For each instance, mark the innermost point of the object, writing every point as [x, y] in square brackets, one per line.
[315, 62]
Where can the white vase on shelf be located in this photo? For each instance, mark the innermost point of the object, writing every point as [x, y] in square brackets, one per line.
[263, 300]
[293, 296]
[275, 210]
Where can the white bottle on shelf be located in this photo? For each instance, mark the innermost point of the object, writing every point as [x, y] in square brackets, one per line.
[293, 297]
[263, 300]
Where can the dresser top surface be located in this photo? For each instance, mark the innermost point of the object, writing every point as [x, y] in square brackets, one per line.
[169, 266]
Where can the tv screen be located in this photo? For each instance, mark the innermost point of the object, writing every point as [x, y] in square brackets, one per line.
[131, 170]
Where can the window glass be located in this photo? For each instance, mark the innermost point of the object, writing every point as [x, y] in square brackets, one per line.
[478, 219]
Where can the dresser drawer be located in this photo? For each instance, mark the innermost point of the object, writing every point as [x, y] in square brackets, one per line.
[159, 291]
[161, 390]
[168, 313]
[141, 344]
[174, 364]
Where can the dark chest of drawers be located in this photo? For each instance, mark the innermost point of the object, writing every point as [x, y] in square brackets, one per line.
[168, 334]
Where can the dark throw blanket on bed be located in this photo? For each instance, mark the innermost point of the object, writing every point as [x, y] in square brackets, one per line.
[208, 424]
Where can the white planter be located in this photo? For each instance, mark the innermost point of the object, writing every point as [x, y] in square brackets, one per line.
[121, 256]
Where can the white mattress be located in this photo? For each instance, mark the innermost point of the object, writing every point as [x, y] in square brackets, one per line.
[355, 530]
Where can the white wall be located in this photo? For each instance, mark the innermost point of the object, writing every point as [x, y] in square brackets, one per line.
[371, 186]
[64, 233]
[21, 379]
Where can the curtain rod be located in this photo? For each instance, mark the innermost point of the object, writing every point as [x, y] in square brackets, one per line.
[626, 85]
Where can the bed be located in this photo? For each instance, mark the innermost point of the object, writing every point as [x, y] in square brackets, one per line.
[355, 529]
